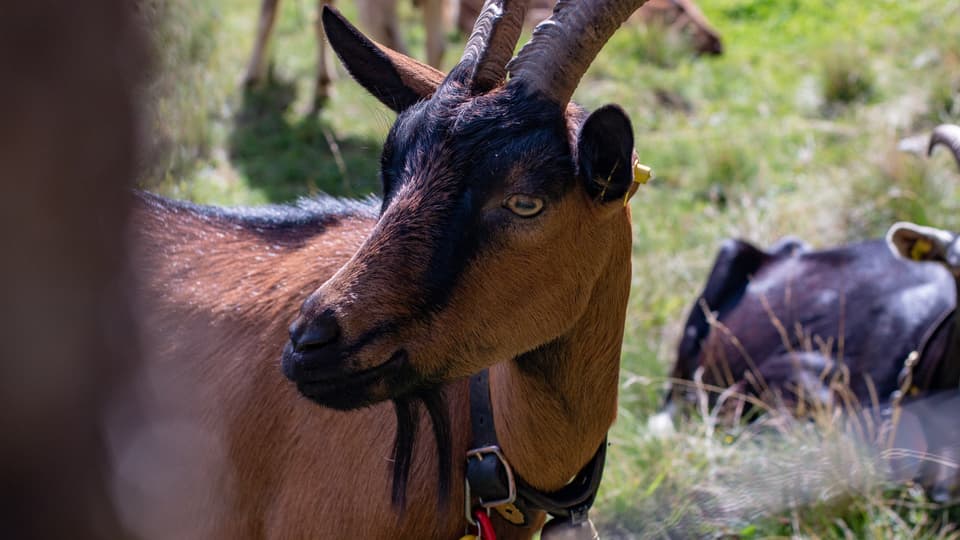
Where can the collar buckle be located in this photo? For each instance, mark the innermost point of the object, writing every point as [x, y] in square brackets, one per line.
[491, 459]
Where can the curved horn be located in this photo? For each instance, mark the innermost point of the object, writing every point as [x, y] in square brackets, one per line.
[949, 135]
[491, 44]
[563, 46]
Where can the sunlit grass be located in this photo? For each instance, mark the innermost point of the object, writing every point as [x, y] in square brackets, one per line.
[846, 77]
[827, 474]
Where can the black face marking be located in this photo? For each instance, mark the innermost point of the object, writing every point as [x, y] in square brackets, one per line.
[460, 157]
[453, 249]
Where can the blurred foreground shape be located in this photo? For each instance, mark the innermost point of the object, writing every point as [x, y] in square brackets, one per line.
[68, 150]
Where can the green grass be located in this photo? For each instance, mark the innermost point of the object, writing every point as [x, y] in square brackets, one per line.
[793, 131]
[846, 76]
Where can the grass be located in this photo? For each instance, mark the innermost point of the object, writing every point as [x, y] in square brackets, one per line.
[846, 77]
[823, 477]
[793, 131]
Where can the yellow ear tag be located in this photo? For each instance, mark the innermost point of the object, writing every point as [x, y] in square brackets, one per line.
[641, 175]
[920, 249]
[469, 537]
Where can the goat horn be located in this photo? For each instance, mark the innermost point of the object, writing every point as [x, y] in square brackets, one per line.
[949, 135]
[564, 45]
[491, 44]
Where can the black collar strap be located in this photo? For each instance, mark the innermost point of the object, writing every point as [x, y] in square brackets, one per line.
[491, 479]
[918, 370]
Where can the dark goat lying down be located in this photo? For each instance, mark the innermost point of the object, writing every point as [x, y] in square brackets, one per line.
[791, 326]
[790, 321]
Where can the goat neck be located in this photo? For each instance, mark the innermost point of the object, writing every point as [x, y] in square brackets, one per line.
[554, 405]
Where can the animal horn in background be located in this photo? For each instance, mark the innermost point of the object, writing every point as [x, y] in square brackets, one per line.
[949, 135]
[564, 45]
[483, 65]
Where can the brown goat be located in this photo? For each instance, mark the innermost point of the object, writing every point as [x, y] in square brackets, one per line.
[379, 18]
[503, 241]
[677, 15]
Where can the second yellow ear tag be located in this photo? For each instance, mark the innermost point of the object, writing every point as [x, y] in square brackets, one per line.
[920, 249]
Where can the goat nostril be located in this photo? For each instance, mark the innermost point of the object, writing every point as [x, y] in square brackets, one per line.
[314, 333]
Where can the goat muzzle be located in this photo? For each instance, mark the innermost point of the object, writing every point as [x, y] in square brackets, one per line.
[342, 389]
[315, 333]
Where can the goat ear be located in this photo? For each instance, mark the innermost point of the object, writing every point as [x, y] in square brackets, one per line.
[398, 81]
[919, 243]
[605, 154]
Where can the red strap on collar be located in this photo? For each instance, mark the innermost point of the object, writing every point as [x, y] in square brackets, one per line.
[484, 524]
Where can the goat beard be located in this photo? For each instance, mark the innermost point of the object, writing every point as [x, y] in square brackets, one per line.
[407, 409]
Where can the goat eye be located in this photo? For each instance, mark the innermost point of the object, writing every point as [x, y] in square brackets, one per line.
[523, 205]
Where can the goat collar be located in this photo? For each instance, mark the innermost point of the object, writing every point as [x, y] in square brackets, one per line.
[920, 368]
[495, 485]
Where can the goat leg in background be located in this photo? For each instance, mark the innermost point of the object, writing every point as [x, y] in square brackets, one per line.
[379, 19]
[325, 71]
[257, 66]
[434, 22]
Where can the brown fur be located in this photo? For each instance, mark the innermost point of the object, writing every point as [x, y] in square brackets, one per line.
[420, 78]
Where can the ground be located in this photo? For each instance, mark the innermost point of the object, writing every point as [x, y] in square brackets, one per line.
[794, 130]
